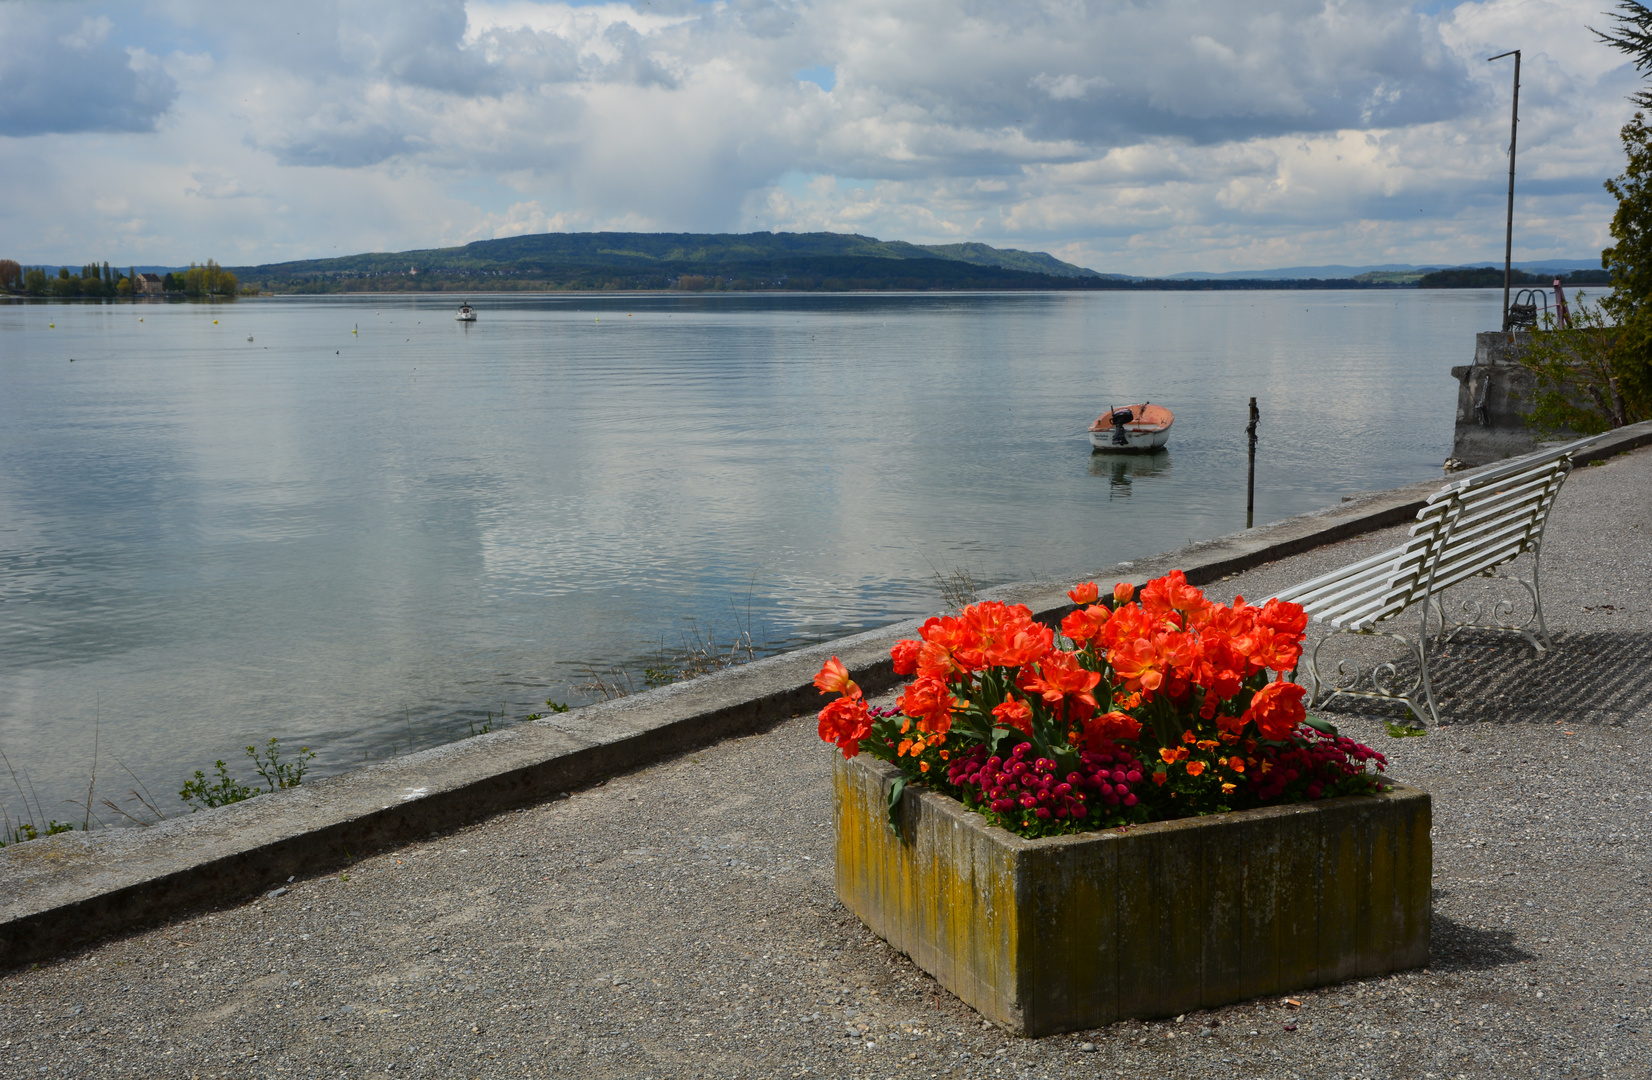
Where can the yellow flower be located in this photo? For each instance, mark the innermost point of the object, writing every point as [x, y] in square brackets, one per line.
[1227, 789]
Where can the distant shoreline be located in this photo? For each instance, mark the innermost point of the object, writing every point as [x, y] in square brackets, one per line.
[499, 289]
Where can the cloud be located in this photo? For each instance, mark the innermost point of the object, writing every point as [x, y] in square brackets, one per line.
[1150, 137]
[63, 70]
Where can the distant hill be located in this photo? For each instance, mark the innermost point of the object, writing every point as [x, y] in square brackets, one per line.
[1036, 262]
[694, 262]
[688, 261]
[1491, 277]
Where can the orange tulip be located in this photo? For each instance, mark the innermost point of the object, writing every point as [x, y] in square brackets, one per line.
[1172, 595]
[1063, 683]
[1138, 664]
[1001, 635]
[1086, 593]
[905, 655]
[1086, 623]
[1123, 593]
[834, 679]
[1126, 624]
[1277, 709]
[1014, 713]
[1109, 727]
[931, 704]
[846, 722]
[1284, 616]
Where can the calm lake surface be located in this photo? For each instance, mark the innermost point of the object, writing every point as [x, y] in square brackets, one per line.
[356, 524]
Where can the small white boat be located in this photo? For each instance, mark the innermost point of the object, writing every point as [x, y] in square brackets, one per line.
[1132, 429]
[466, 313]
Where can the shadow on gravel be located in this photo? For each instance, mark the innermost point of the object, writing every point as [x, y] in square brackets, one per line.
[1455, 946]
[1598, 678]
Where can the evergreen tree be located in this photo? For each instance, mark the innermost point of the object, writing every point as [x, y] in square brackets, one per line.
[1632, 36]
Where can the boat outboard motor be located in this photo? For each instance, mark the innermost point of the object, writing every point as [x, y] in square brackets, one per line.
[1121, 417]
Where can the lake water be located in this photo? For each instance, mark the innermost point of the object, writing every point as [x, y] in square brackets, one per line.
[355, 524]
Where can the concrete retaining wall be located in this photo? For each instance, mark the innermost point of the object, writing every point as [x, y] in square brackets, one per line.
[1075, 932]
[1494, 394]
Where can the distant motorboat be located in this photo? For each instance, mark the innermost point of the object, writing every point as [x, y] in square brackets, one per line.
[466, 313]
[1132, 429]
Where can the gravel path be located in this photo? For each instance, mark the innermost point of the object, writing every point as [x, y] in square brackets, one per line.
[679, 921]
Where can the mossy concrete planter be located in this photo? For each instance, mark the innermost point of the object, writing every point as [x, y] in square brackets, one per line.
[1067, 933]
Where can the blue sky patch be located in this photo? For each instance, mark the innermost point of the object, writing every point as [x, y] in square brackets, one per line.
[822, 75]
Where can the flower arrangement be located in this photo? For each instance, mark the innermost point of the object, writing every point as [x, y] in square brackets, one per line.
[1149, 704]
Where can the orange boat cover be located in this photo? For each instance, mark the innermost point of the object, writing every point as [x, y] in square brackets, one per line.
[1147, 418]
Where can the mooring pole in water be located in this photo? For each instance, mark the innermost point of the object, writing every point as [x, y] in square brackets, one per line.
[1508, 235]
[1250, 483]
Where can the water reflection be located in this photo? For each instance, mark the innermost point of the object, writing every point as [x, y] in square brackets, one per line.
[366, 529]
[1122, 470]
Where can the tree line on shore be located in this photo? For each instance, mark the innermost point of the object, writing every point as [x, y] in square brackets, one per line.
[101, 281]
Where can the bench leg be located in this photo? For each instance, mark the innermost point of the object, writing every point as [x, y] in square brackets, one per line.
[1424, 682]
[1498, 615]
[1536, 589]
[1384, 678]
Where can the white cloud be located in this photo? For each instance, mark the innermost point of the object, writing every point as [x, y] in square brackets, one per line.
[1152, 137]
[59, 73]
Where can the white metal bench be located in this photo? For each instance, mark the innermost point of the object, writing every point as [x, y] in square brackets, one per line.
[1468, 528]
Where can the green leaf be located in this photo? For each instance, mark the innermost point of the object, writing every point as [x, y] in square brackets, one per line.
[896, 790]
[1402, 731]
[1324, 727]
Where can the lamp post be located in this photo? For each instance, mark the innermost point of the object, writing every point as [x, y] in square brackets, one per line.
[1508, 236]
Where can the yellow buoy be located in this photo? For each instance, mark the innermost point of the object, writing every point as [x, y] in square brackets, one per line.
[52, 325]
[214, 322]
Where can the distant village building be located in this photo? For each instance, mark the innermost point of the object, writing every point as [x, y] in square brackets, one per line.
[148, 285]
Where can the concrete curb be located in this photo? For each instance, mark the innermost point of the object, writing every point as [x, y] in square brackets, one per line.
[59, 893]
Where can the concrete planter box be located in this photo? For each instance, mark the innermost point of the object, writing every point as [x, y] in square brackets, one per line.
[1067, 933]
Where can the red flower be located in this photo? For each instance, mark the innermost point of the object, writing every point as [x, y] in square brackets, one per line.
[1123, 593]
[905, 655]
[1001, 635]
[1109, 727]
[1277, 709]
[1063, 683]
[1085, 624]
[1170, 595]
[1014, 713]
[1138, 664]
[834, 679]
[846, 722]
[1284, 616]
[930, 703]
[1126, 624]
[1086, 593]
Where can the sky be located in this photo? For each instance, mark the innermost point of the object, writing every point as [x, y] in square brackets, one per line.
[1133, 136]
